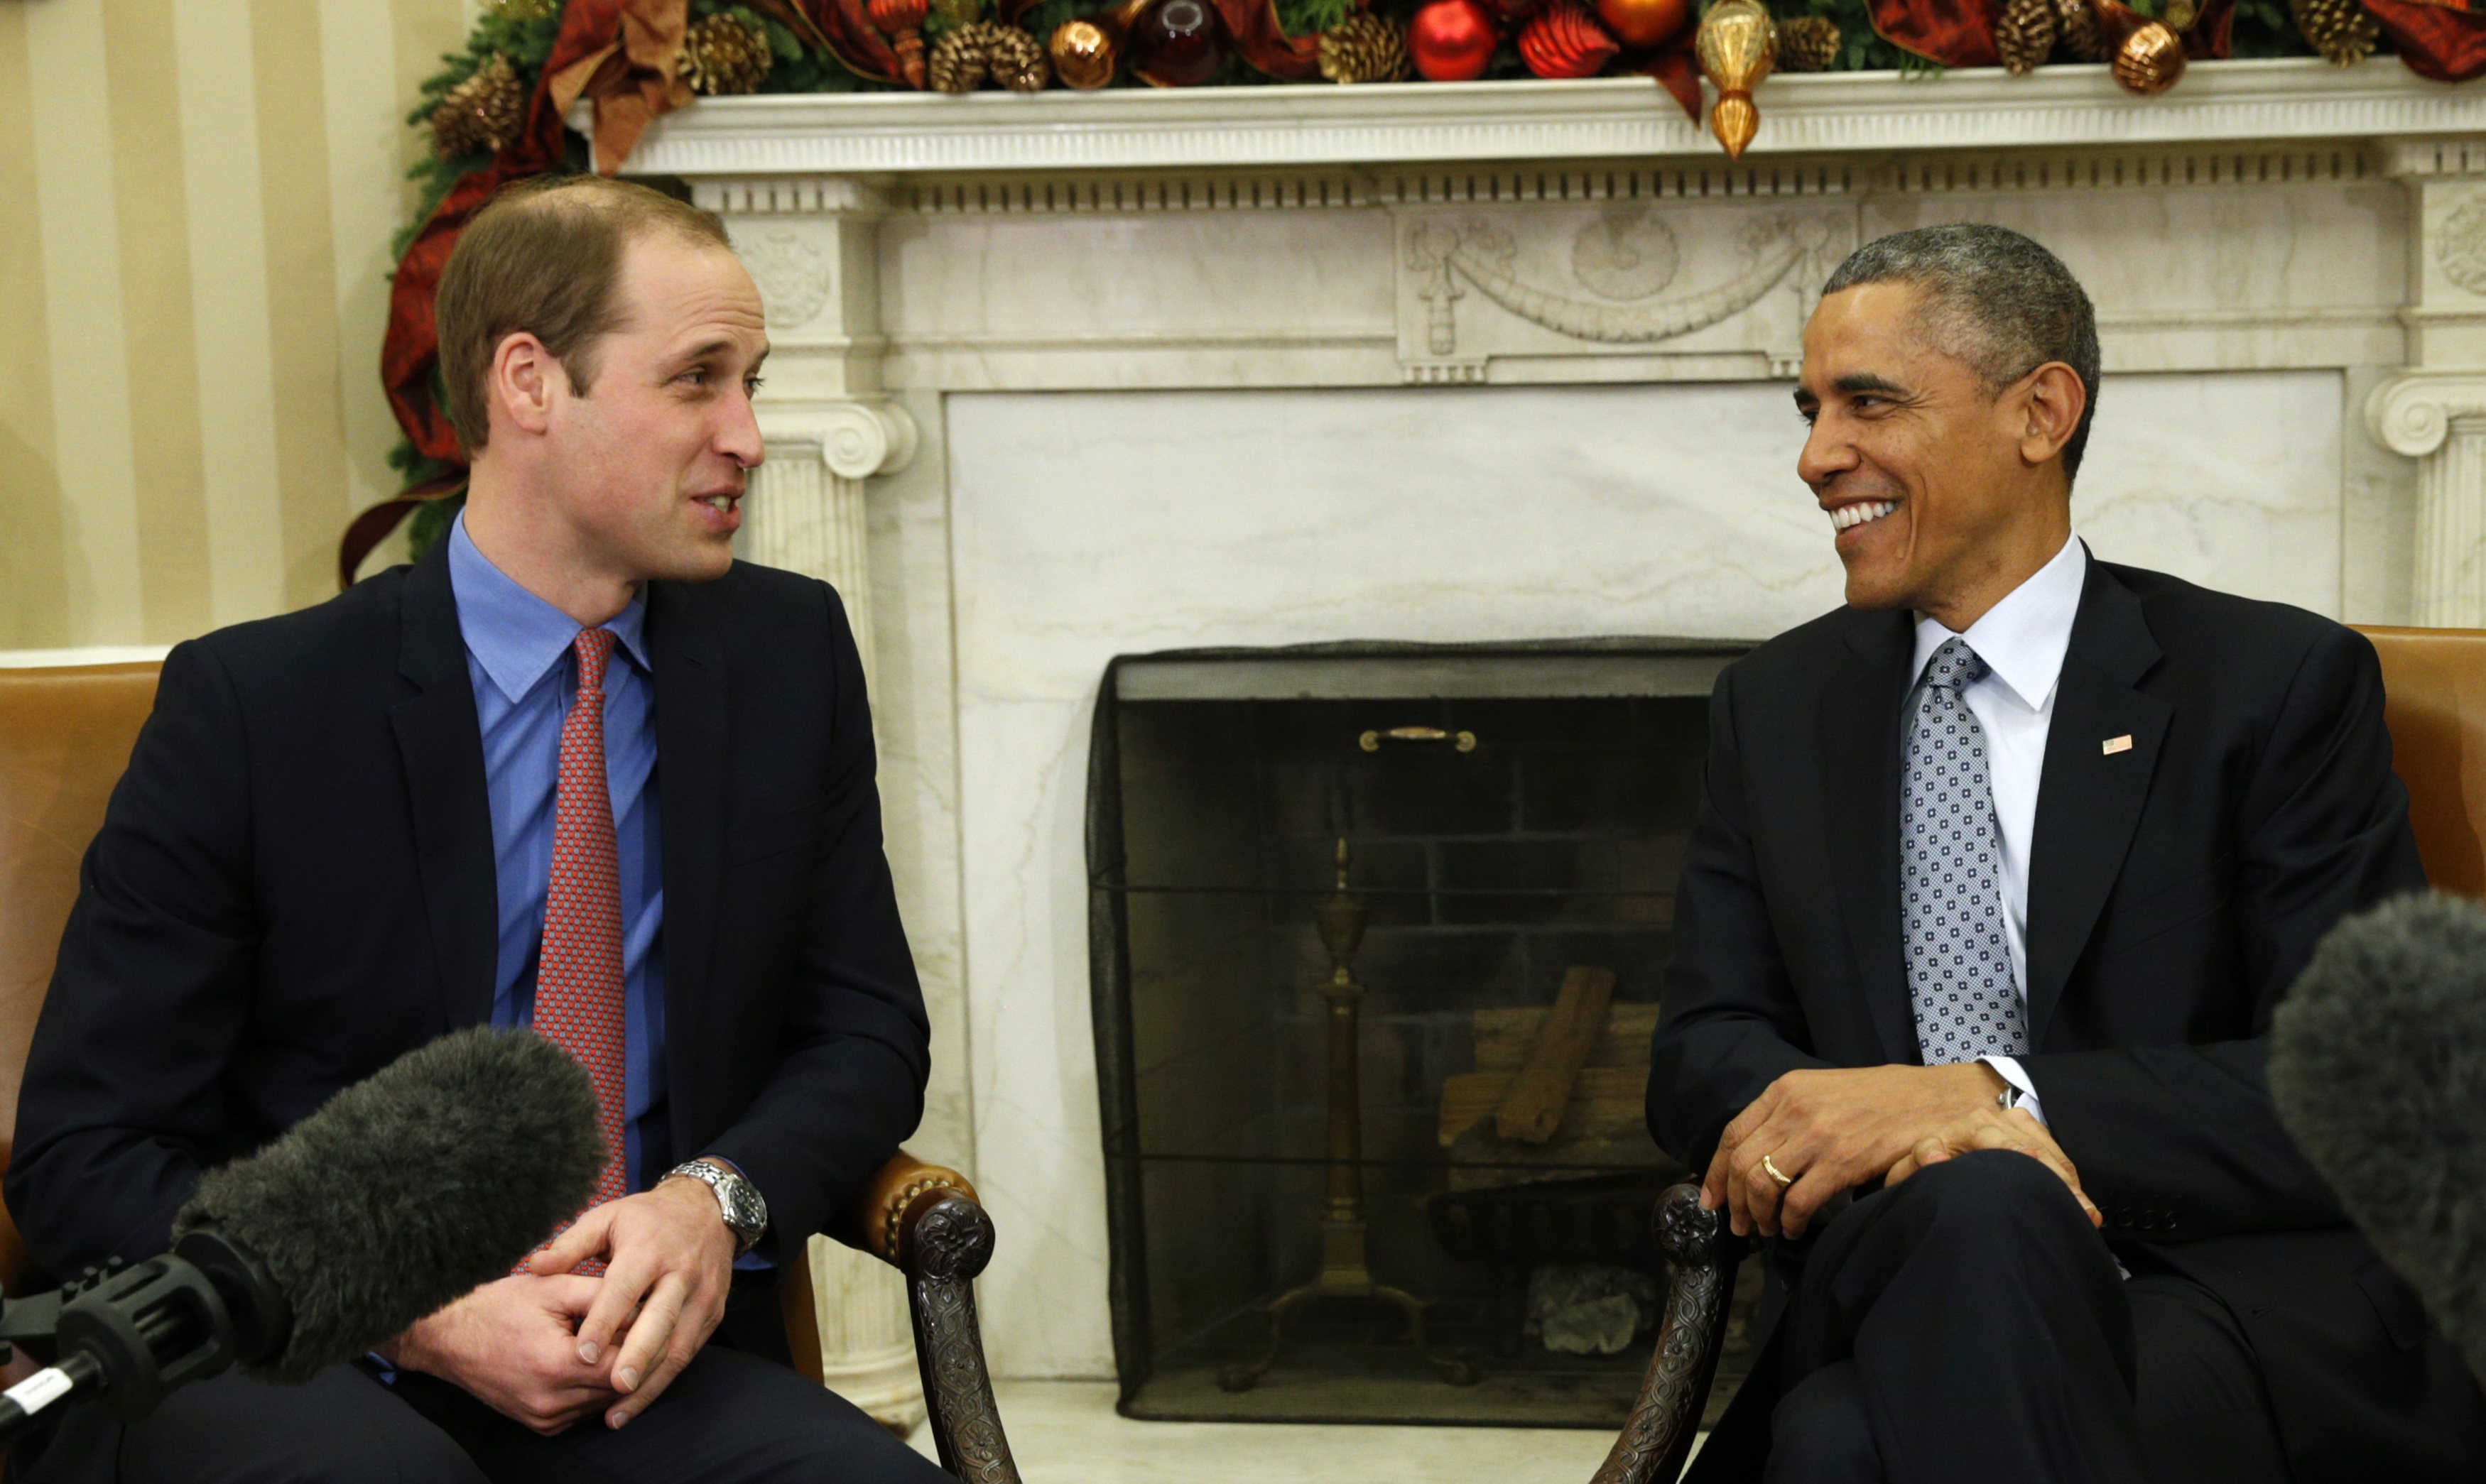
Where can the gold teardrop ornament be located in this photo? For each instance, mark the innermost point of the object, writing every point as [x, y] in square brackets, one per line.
[1737, 43]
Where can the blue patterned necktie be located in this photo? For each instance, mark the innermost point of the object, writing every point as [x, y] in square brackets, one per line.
[1951, 876]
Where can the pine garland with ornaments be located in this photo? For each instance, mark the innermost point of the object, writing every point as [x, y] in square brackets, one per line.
[494, 112]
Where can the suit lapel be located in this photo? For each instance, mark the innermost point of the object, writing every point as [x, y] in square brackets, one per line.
[1860, 752]
[442, 744]
[691, 757]
[2089, 799]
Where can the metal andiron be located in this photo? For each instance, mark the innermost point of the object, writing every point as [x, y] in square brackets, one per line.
[1344, 1270]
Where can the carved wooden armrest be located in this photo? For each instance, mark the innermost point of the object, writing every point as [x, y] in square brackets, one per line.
[924, 1221]
[883, 1216]
[1658, 1437]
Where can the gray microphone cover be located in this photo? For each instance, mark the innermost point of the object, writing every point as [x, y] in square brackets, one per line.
[2378, 1064]
[404, 1192]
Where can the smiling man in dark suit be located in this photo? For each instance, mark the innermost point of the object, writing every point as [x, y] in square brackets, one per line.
[2001, 872]
[575, 770]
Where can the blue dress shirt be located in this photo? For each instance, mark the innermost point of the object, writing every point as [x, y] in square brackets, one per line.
[519, 660]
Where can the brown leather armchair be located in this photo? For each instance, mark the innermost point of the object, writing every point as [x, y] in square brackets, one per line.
[2434, 683]
[64, 736]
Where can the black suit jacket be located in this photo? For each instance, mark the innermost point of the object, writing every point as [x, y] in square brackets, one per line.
[294, 885]
[2177, 889]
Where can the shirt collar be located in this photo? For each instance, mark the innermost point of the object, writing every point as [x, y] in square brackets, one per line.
[2024, 638]
[515, 635]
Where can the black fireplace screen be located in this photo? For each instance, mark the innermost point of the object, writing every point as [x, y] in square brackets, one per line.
[1376, 935]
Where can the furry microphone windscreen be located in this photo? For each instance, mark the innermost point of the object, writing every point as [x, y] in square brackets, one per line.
[437, 1174]
[2378, 1064]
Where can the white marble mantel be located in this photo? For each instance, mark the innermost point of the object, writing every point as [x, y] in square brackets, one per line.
[1067, 376]
[1615, 118]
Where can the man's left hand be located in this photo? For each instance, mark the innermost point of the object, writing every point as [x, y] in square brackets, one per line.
[667, 1265]
[1832, 1128]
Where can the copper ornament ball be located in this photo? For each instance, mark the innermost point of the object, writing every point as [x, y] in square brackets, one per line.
[2150, 60]
[1084, 55]
[1645, 23]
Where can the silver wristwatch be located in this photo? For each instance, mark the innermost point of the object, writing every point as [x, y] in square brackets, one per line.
[736, 1196]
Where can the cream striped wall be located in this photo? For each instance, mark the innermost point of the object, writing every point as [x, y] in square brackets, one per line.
[195, 202]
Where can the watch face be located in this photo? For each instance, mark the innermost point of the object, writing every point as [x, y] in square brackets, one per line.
[744, 1209]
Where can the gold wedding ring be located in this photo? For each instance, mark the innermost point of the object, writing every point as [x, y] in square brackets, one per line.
[1781, 1176]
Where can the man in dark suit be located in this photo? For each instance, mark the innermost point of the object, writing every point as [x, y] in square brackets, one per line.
[2001, 872]
[575, 770]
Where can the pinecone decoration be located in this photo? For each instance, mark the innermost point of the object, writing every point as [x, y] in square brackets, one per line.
[2079, 35]
[1364, 47]
[964, 58]
[1808, 43]
[723, 54]
[2025, 33]
[2341, 30]
[482, 114]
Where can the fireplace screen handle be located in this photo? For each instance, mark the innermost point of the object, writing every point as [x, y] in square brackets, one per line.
[1463, 741]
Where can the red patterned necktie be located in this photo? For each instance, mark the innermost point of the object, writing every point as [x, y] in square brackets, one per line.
[578, 977]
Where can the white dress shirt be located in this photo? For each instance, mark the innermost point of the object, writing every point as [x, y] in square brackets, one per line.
[2023, 639]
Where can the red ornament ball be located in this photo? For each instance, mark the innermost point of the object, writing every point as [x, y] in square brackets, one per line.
[1451, 41]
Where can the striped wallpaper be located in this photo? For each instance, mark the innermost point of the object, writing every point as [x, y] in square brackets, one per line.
[196, 201]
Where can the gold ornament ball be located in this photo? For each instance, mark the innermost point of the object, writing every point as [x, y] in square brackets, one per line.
[2150, 60]
[1084, 55]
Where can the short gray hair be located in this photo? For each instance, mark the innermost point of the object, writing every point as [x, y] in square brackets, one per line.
[1995, 300]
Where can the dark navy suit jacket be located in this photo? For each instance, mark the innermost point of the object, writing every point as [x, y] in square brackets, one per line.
[294, 886]
[2177, 889]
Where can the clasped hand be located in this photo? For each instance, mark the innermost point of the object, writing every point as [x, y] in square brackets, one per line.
[540, 1346]
[1834, 1129]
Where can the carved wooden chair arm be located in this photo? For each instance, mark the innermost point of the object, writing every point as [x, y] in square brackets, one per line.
[1658, 1437]
[924, 1221]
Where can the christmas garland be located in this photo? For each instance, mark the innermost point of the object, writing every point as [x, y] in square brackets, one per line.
[495, 111]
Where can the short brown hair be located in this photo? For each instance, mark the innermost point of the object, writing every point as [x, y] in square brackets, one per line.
[545, 258]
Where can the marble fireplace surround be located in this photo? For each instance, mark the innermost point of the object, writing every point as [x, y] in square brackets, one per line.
[1063, 376]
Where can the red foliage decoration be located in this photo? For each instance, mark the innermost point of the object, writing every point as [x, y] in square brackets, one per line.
[1678, 70]
[2435, 39]
[1955, 33]
[1253, 24]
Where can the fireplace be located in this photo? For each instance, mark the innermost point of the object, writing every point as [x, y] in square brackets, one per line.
[1400, 865]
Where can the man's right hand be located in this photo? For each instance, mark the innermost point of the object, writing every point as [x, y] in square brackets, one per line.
[2017, 1131]
[513, 1344]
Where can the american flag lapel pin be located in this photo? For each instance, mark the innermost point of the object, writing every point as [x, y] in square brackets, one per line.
[2113, 744]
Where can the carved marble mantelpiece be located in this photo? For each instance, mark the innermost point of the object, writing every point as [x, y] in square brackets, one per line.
[1065, 375]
